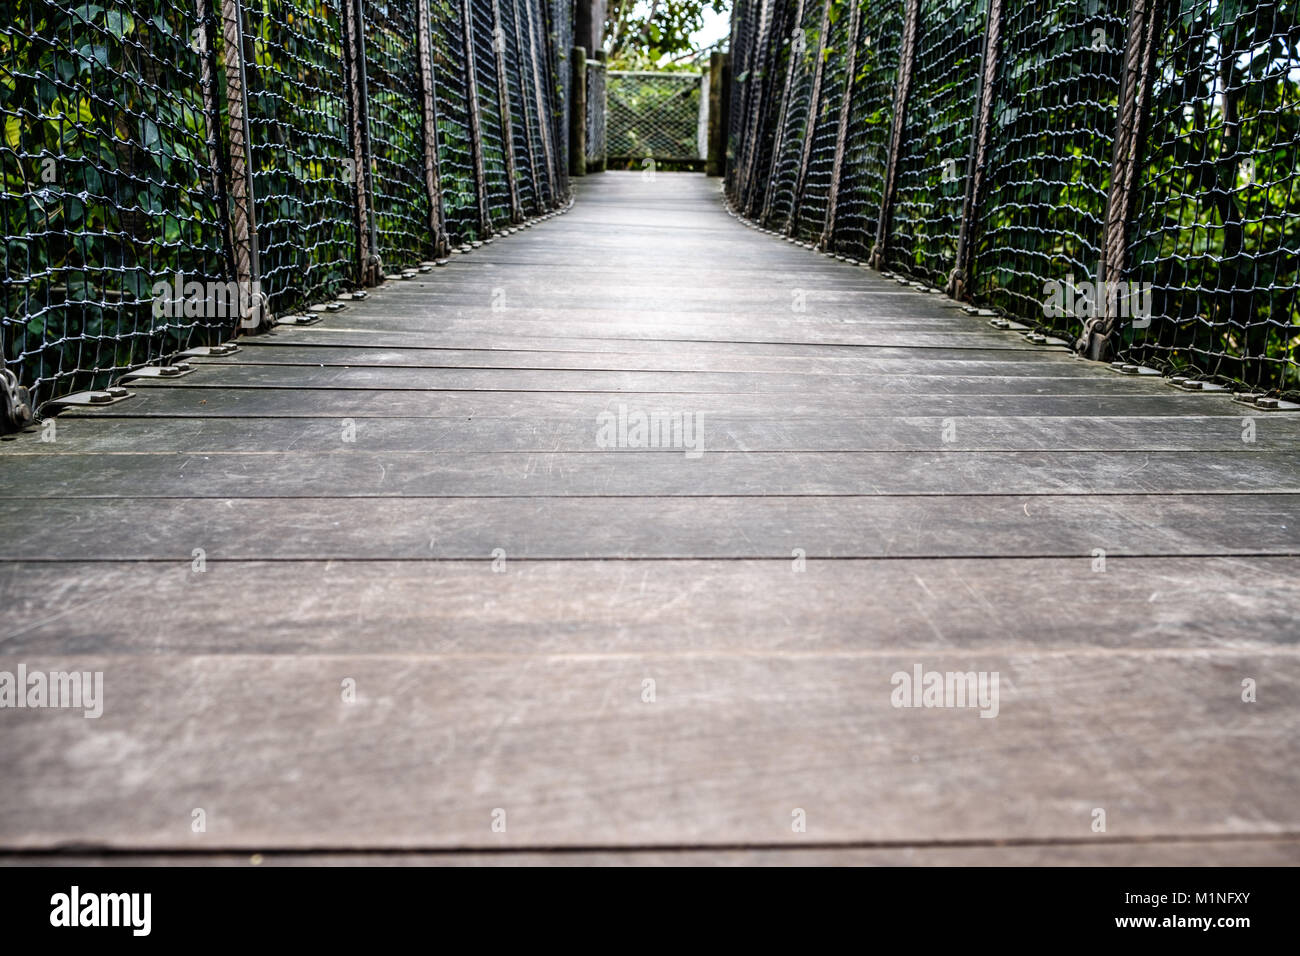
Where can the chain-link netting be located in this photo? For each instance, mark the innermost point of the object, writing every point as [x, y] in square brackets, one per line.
[652, 115]
[1217, 230]
[108, 189]
[1053, 125]
[1120, 171]
[134, 133]
[866, 145]
[394, 91]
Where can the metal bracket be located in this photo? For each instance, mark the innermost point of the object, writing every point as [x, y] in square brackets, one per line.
[1007, 325]
[1195, 385]
[106, 396]
[210, 351]
[1128, 368]
[160, 371]
[1038, 338]
[310, 318]
[1265, 403]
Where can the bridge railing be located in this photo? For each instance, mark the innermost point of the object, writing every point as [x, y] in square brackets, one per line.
[1120, 173]
[176, 170]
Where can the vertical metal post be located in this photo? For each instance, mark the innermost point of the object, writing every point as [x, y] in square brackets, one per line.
[212, 120]
[902, 90]
[369, 266]
[841, 135]
[543, 112]
[243, 223]
[429, 115]
[985, 91]
[810, 130]
[1136, 72]
[475, 126]
[503, 106]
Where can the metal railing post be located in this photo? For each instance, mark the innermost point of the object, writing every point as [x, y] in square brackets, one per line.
[1136, 73]
[429, 115]
[254, 316]
[475, 124]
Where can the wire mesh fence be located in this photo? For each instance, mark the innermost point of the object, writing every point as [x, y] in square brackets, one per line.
[1119, 172]
[653, 115]
[175, 170]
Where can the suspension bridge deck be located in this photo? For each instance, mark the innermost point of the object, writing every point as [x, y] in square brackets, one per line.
[407, 581]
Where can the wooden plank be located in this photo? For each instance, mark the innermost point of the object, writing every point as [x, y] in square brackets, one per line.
[679, 608]
[1100, 852]
[692, 470]
[685, 382]
[727, 751]
[636, 528]
[177, 399]
[1009, 348]
[350, 356]
[843, 431]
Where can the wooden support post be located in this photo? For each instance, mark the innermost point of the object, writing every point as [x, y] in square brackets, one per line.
[503, 106]
[778, 135]
[429, 116]
[810, 130]
[475, 125]
[254, 315]
[985, 92]
[906, 61]
[842, 134]
[1136, 72]
[597, 107]
[716, 158]
[368, 265]
[578, 114]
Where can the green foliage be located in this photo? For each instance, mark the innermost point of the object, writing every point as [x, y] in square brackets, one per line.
[639, 34]
[104, 167]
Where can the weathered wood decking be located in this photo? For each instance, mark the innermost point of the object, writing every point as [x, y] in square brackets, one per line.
[947, 484]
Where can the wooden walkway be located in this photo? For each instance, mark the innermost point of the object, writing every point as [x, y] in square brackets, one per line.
[416, 498]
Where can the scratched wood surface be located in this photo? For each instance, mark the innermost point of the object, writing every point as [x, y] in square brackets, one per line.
[382, 590]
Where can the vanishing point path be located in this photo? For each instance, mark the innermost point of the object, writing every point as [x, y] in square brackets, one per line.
[406, 581]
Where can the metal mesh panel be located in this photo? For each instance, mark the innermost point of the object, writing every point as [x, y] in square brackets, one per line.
[825, 126]
[494, 157]
[1217, 229]
[556, 21]
[1052, 135]
[396, 134]
[801, 43]
[107, 190]
[867, 140]
[932, 164]
[653, 115]
[124, 219]
[455, 159]
[301, 157]
[519, 107]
